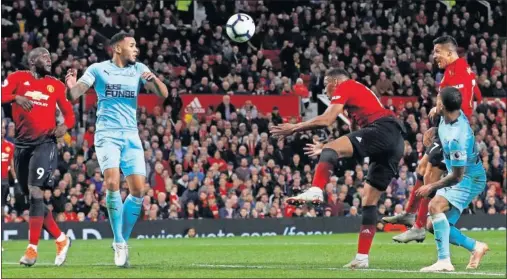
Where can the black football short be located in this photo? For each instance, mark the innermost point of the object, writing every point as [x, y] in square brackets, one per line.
[436, 155]
[35, 165]
[382, 141]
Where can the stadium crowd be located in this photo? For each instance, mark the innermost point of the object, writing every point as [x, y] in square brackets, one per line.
[224, 164]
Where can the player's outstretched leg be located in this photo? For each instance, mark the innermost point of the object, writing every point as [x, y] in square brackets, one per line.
[409, 217]
[115, 211]
[418, 231]
[368, 227]
[61, 240]
[442, 229]
[35, 224]
[331, 153]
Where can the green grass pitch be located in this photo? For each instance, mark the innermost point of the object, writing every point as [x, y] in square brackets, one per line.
[262, 257]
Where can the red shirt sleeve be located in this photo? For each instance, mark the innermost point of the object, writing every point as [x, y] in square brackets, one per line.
[465, 77]
[341, 94]
[9, 88]
[65, 106]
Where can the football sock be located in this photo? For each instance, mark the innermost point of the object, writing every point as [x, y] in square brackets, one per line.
[367, 232]
[36, 221]
[115, 210]
[422, 214]
[324, 169]
[50, 224]
[459, 239]
[413, 200]
[131, 212]
[442, 232]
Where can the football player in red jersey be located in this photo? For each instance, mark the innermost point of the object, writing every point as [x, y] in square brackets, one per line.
[457, 74]
[380, 138]
[7, 166]
[34, 96]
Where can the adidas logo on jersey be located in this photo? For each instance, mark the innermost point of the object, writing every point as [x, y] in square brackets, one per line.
[195, 107]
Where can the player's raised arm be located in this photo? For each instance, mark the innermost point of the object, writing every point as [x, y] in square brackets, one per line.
[333, 78]
[78, 88]
[151, 82]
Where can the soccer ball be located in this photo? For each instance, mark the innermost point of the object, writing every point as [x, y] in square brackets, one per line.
[240, 28]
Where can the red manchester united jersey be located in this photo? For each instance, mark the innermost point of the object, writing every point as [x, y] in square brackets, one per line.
[7, 156]
[361, 103]
[36, 126]
[460, 76]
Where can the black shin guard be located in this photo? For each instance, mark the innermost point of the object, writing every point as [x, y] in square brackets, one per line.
[369, 215]
[37, 207]
[329, 156]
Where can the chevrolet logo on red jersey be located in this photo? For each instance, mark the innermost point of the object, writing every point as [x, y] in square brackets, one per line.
[36, 95]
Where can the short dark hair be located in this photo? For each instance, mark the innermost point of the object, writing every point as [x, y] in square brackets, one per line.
[445, 40]
[118, 37]
[336, 72]
[451, 98]
[36, 52]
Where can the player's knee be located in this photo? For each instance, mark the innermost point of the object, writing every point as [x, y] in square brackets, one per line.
[36, 192]
[137, 191]
[37, 207]
[421, 169]
[371, 196]
[436, 206]
[427, 177]
[330, 156]
[112, 184]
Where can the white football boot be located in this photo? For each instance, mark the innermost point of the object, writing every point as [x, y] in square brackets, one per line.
[121, 251]
[312, 195]
[439, 266]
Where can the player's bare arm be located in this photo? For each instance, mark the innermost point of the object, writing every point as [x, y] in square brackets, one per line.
[68, 115]
[453, 178]
[155, 85]
[12, 170]
[429, 136]
[75, 89]
[321, 121]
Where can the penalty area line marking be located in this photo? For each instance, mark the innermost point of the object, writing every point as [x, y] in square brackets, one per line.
[342, 269]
